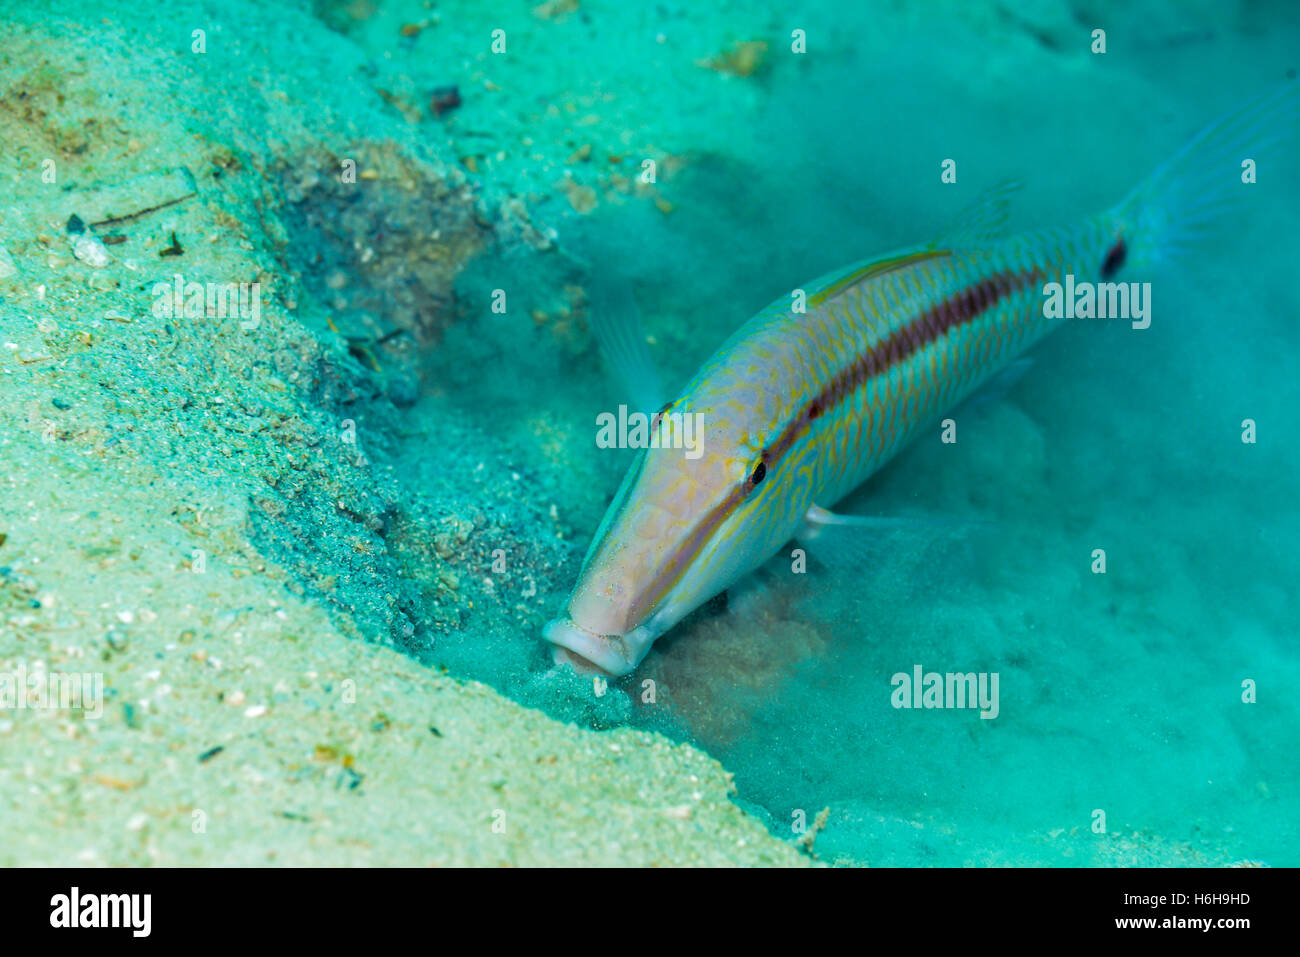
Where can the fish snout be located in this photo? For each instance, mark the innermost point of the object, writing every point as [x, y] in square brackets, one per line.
[590, 653]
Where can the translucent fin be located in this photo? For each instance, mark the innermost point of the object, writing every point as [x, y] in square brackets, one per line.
[850, 541]
[1182, 200]
[615, 322]
[997, 387]
[983, 220]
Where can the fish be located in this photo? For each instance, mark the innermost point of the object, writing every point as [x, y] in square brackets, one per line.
[817, 391]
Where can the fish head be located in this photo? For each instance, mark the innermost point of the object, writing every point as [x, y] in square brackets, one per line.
[684, 525]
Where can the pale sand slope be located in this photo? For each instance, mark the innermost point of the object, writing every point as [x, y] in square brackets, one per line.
[139, 455]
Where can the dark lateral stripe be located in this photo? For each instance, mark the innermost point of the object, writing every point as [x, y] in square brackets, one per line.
[962, 308]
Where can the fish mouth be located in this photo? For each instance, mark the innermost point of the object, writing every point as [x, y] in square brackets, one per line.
[590, 653]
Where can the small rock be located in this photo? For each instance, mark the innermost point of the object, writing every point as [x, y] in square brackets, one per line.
[444, 98]
[88, 248]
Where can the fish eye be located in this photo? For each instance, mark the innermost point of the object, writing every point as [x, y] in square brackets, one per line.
[760, 471]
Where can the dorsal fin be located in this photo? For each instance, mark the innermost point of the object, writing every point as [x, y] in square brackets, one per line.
[838, 284]
[983, 220]
[615, 323]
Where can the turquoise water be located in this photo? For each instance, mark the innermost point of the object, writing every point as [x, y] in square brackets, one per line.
[1119, 693]
[1121, 735]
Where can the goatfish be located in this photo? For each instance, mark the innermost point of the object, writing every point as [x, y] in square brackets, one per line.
[817, 391]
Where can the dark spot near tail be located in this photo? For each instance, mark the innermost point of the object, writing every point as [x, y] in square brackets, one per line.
[1114, 259]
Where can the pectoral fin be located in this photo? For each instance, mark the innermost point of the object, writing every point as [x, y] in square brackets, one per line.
[996, 388]
[845, 541]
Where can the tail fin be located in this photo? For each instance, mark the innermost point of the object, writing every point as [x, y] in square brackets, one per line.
[1181, 201]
